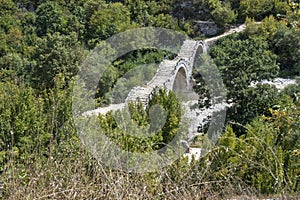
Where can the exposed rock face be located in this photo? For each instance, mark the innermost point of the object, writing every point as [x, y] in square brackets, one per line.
[208, 28]
[191, 9]
[279, 83]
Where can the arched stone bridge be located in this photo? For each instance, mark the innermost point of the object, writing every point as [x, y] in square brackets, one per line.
[173, 75]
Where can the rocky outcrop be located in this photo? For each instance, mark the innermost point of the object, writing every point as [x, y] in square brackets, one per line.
[208, 28]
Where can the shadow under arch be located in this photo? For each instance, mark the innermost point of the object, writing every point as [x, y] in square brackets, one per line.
[180, 84]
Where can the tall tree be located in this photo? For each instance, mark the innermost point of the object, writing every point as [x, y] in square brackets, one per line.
[55, 54]
[242, 62]
[49, 18]
[108, 21]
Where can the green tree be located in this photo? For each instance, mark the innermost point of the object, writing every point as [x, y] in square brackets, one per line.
[170, 103]
[141, 11]
[49, 18]
[259, 9]
[108, 21]
[286, 45]
[7, 7]
[125, 135]
[256, 160]
[165, 21]
[265, 30]
[221, 12]
[22, 120]
[92, 6]
[54, 54]
[293, 91]
[266, 157]
[282, 40]
[106, 83]
[242, 62]
[253, 102]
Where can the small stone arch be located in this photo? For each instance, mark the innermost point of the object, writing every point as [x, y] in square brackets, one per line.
[180, 83]
[201, 48]
[197, 61]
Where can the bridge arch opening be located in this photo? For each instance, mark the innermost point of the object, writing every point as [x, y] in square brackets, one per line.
[200, 49]
[198, 59]
[180, 85]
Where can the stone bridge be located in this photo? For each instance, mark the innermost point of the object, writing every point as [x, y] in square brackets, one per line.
[176, 75]
[173, 75]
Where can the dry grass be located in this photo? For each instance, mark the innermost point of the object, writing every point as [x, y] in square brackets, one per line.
[71, 173]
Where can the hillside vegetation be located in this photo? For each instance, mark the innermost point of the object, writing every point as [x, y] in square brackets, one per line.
[42, 46]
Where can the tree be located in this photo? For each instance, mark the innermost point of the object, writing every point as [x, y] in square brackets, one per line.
[284, 41]
[107, 22]
[259, 9]
[49, 18]
[22, 122]
[106, 83]
[242, 62]
[14, 50]
[265, 30]
[293, 91]
[266, 158]
[170, 103]
[143, 122]
[286, 45]
[165, 21]
[141, 11]
[221, 12]
[92, 6]
[253, 102]
[55, 54]
[7, 7]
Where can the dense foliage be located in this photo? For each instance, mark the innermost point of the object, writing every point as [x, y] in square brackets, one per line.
[42, 44]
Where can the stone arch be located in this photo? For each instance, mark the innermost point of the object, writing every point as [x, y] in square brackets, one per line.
[197, 60]
[180, 83]
[201, 48]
